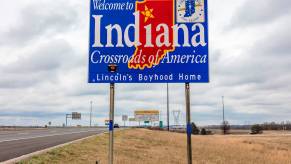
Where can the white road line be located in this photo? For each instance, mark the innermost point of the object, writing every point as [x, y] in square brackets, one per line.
[49, 135]
[22, 133]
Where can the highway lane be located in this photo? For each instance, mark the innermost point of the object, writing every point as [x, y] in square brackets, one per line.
[17, 143]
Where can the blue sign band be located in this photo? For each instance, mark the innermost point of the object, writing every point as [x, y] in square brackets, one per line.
[189, 129]
[110, 125]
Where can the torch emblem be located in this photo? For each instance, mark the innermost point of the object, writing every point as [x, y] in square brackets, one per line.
[189, 8]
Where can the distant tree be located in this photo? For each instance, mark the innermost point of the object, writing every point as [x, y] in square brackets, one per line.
[288, 125]
[195, 129]
[282, 126]
[225, 127]
[203, 131]
[256, 129]
[275, 126]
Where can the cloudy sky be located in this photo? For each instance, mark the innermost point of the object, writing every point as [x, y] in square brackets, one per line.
[43, 66]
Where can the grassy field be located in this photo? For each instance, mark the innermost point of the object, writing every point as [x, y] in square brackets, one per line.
[140, 146]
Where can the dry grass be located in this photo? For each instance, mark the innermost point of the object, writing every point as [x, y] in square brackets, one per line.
[140, 146]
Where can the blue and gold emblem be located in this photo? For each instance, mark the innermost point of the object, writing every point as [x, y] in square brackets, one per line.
[190, 11]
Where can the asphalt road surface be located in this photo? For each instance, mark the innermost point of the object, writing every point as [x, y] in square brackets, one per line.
[17, 143]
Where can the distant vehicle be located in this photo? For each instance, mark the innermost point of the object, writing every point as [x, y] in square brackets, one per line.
[116, 126]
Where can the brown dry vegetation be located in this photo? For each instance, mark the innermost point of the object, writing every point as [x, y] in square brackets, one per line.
[140, 146]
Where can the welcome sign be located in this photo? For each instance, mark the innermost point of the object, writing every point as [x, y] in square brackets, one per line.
[150, 41]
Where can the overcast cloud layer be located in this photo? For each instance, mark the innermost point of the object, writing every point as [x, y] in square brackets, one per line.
[43, 66]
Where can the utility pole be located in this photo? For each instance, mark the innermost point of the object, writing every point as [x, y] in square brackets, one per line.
[91, 113]
[168, 106]
[66, 120]
[223, 108]
[223, 119]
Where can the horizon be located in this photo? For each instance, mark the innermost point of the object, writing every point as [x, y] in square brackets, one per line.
[44, 72]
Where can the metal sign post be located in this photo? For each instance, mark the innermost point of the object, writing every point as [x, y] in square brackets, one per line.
[168, 112]
[124, 119]
[188, 120]
[111, 122]
[67, 116]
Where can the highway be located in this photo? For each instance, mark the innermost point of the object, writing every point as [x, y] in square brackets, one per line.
[21, 142]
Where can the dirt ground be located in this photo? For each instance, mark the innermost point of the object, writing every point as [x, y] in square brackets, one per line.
[141, 146]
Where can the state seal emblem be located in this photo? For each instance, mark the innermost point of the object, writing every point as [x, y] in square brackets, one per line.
[190, 11]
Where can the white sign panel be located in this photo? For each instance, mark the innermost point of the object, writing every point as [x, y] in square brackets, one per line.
[124, 117]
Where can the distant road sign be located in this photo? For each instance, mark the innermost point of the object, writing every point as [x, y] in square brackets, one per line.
[161, 124]
[131, 119]
[153, 41]
[106, 122]
[124, 117]
[146, 115]
[76, 116]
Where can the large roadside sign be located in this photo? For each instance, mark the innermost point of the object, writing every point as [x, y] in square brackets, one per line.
[149, 41]
[76, 116]
[146, 115]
